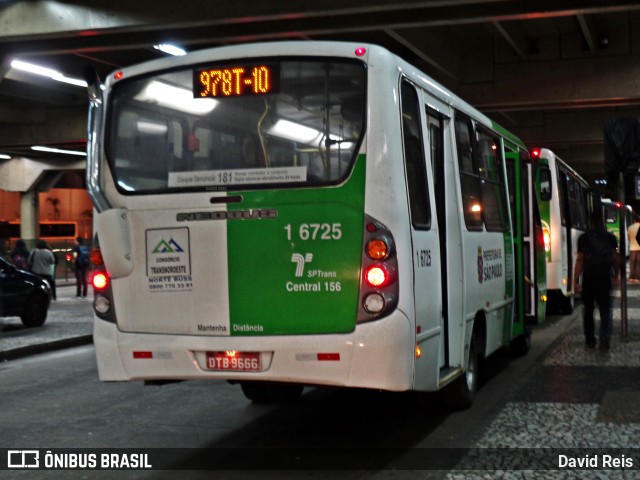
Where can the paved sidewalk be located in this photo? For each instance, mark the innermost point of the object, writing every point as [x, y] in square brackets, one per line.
[69, 323]
[583, 401]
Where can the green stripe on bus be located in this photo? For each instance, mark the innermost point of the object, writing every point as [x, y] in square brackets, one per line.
[297, 273]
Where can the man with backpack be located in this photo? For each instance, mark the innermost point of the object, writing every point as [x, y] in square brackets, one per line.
[598, 262]
[81, 261]
[20, 254]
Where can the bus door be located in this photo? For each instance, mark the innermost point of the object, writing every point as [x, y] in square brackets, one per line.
[537, 313]
[565, 229]
[531, 285]
[421, 141]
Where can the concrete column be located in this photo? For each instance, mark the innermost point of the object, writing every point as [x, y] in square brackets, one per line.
[29, 220]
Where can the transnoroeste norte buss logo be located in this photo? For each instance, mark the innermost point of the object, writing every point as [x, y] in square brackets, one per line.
[168, 247]
[168, 259]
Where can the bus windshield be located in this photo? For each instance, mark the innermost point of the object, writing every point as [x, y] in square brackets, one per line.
[238, 125]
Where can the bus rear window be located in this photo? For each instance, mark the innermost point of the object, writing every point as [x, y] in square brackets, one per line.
[611, 214]
[218, 127]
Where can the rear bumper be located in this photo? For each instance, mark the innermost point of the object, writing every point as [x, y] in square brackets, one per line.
[376, 355]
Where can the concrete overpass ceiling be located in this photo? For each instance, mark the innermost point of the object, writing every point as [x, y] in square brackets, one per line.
[550, 71]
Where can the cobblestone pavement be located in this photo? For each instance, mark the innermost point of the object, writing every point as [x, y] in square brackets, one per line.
[581, 403]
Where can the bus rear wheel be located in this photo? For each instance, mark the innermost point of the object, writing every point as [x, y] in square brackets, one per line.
[566, 304]
[560, 304]
[461, 393]
[521, 344]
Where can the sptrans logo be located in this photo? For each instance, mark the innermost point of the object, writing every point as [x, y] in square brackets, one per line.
[300, 262]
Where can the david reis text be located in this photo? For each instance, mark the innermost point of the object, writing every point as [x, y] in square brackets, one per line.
[595, 461]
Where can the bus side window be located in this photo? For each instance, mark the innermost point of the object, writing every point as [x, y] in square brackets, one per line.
[470, 183]
[414, 158]
[544, 180]
[495, 214]
[435, 150]
[576, 204]
[564, 200]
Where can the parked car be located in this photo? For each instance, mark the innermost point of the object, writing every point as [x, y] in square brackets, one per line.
[24, 295]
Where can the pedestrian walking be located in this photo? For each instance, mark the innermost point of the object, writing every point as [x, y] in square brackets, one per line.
[42, 262]
[81, 263]
[597, 265]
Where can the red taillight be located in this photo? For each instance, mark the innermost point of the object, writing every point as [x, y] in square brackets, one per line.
[379, 290]
[376, 276]
[68, 257]
[100, 281]
[360, 51]
[535, 152]
[118, 75]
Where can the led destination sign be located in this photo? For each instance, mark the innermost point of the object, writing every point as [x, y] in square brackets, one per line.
[236, 81]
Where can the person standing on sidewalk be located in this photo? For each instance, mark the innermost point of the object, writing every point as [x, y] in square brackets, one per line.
[598, 263]
[20, 254]
[634, 249]
[42, 262]
[81, 263]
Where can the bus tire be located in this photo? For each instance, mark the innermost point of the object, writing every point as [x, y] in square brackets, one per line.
[566, 304]
[34, 312]
[521, 345]
[560, 304]
[256, 392]
[462, 391]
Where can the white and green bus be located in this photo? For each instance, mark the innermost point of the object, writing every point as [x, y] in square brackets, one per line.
[300, 213]
[565, 200]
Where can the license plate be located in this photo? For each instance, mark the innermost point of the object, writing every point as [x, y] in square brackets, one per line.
[234, 361]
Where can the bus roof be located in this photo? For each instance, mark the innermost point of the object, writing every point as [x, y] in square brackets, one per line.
[316, 48]
[550, 155]
[509, 136]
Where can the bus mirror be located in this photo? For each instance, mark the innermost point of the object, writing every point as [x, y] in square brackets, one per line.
[94, 85]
